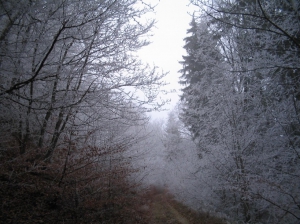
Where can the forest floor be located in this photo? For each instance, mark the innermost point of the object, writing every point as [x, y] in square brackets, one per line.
[165, 210]
[36, 196]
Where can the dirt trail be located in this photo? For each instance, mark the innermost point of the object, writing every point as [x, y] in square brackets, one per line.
[164, 212]
[181, 219]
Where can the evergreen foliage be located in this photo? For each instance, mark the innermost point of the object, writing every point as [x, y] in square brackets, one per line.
[243, 107]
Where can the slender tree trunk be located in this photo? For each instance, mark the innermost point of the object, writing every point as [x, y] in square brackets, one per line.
[27, 122]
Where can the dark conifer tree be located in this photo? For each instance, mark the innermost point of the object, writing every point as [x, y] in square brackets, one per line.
[199, 74]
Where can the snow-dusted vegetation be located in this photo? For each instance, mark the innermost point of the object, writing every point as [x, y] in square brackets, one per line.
[76, 145]
[240, 102]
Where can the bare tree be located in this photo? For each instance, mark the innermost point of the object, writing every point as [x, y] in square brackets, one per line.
[60, 58]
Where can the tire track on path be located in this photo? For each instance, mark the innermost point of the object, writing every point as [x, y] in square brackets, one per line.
[164, 212]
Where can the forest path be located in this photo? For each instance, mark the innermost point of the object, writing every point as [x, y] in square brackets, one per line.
[163, 211]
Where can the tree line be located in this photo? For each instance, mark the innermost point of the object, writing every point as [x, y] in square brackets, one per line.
[71, 90]
[240, 102]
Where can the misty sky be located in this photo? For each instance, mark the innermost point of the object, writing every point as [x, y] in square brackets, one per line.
[166, 49]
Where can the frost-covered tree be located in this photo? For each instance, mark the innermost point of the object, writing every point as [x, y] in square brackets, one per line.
[252, 159]
[201, 79]
[67, 67]
[71, 90]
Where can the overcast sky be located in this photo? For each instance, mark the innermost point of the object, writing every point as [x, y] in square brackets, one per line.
[166, 49]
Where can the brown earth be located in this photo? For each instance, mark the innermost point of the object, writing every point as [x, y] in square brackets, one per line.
[165, 210]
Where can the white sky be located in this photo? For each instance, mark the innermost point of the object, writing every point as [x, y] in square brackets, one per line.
[166, 49]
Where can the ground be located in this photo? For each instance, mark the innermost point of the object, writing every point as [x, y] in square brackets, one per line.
[165, 210]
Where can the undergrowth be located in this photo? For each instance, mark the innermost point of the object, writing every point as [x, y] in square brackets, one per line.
[77, 192]
[89, 186]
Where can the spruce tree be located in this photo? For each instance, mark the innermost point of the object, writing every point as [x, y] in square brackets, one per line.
[200, 75]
